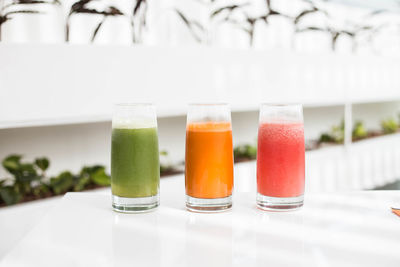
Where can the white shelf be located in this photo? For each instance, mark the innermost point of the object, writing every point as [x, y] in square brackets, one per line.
[107, 117]
[160, 114]
[79, 83]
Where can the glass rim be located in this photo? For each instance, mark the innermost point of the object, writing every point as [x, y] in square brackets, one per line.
[133, 104]
[209, 104]
[281, 104]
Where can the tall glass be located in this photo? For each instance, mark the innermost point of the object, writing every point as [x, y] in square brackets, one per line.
[209, 158]
[135, 167]
[280, 157]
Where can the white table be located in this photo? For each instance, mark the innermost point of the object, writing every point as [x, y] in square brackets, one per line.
[348, 229]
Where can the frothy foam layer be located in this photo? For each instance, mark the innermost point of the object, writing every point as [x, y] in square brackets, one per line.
[282, 130]
[133, 123]
[280, 121]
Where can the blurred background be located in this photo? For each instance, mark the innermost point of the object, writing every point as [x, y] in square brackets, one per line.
[65, 62]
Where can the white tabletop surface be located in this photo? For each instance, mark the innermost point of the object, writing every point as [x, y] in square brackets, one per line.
[347, 229]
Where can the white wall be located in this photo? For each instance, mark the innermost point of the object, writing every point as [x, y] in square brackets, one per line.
[68, 147]
[319, 120]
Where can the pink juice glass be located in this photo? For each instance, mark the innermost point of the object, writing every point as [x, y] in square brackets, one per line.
[280, 157]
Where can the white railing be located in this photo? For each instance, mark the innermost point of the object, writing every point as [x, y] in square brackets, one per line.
[362, 165]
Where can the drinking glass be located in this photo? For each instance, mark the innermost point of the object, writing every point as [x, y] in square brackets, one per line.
[209, 158]
[280, 157]
[135, 167]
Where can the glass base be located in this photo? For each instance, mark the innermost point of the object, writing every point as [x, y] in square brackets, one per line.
[135, 205]
[208, 204]
[279, 203]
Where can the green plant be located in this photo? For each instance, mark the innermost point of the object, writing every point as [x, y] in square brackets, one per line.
[338, 132]
[88, 177]
[245, 152]
[25, 174]
[336, 135]
[359, 131]
[326, 138]
[29, 180]
[389, 126]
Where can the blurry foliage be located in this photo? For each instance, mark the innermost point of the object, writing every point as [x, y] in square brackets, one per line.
[248, 24]
[389, 126]
[245, 152]
[81, 7]
[239, 16]
[195, 28]
[336, 135]
[226, 13]
[29, 180]
[336, 33]
[359, 131]
[137, 18]
[15, 7]
[235, 13]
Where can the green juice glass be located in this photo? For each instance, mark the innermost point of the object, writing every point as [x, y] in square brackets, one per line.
[135, 166]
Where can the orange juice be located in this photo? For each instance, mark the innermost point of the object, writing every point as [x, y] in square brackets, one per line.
[209, 160]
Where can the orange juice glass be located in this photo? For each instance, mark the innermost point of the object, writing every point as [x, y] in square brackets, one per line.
[209, 158]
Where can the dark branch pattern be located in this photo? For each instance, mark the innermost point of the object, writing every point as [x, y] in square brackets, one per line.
[335, 34]
[138, 4]
[229, 8]
[224, 14]
[96, 30]
[304, 13]
[80, 7]
[249, 23]
[192, 25]
[29, 2]
[6, 15]
[141, 5]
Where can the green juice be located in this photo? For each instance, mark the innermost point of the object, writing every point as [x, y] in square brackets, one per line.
[135, 166]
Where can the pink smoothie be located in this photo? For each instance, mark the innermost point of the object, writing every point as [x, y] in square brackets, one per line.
[280, 159]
